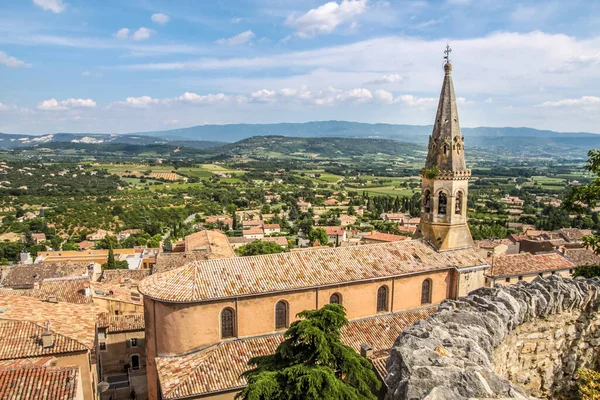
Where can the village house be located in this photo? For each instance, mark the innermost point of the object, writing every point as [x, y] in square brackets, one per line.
[414, 222]
[347, 220]
[86, 245]
[222, 220]
[122, 354]
[32, 275]
[393, 217]
[335, 234]
[98, 235]
[38, 238]
[253, 233]
[507, 269]
[11, 237]
[270, 229]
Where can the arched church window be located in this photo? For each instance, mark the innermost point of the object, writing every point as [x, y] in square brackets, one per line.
[427, 201]
[426, 292]
[458, 205]
[382, 299]
[442, 203]
[227, 323]
[281, 315]
[335, 299]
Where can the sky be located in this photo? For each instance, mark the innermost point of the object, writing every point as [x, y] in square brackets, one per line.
[117, 66]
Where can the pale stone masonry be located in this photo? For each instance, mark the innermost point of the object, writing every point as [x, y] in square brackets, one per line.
[515, 341]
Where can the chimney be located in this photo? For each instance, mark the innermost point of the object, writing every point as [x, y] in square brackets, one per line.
[47, 337]
[366, 351]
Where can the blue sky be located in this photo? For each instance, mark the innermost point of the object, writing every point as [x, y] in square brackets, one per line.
[137, 65]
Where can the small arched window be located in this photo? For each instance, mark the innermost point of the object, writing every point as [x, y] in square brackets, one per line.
[382, 299]
[227, 323]
[427, 201]
[281, 315]
[445, 149]
[442, 203]
[458, 205]
[335, 298]
[426, 292]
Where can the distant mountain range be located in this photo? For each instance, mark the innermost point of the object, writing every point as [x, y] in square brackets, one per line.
[516, 140]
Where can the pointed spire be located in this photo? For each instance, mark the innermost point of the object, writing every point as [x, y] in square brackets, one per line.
[446, 143]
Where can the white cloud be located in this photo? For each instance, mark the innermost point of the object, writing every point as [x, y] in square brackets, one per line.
[170, 122]
[194, 98]
[411, 100]
[56, 6]
[264, 96]
[236, 20]
[122, 33]
[383, 96]
[488, 100]
[12, 62]
[142, 34]
[326, 18]
[135, 102]
[242, 38]
[358, 95]
[160, 18]
[391, 78]
[55, 105]
[7, 107]
[584, 101]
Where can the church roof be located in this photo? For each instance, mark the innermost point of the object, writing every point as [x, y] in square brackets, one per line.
[446, 131]
[218, 368]
[243, 276]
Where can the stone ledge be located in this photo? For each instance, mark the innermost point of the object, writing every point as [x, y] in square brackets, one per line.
[451, 355]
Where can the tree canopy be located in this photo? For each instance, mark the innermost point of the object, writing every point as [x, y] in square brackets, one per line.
[259, 247]
[587, 196]
[312, 363]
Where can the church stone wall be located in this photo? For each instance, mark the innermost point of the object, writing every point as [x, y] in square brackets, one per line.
[514, 341]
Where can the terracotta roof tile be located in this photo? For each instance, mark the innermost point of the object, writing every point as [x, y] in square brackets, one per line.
[526, 263]
[123, 275]
[70, 290]
[24, 276]
[75, 321]
[219, 367]
[121, 323]
[41, 383]
[214, 243]
[385, 237]
[213, 279]
[582, 257]
[571, 234]
[123, 292]
[20, 339]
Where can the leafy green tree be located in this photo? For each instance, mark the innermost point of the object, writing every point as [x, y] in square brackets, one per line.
[586, 197]
[318, 234]
[312, 363]
[110, 262]
[259, 247]
[588, 384]
[587, 271]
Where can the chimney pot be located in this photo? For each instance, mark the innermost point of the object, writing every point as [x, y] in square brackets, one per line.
[366, 351]
[47, 339]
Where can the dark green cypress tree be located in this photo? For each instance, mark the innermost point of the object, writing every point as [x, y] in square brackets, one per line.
[110, 263]
[312, 363]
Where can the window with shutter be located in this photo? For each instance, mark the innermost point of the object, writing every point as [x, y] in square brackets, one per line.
[335, 298]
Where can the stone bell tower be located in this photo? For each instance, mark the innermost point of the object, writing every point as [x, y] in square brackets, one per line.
[445, 178]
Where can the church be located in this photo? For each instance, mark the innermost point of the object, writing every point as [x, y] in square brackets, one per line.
[207, 318]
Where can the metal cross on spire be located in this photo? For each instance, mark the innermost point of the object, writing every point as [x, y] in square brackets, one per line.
[447, 53]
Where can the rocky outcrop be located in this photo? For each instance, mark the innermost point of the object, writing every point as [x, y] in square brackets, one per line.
[518, 341]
